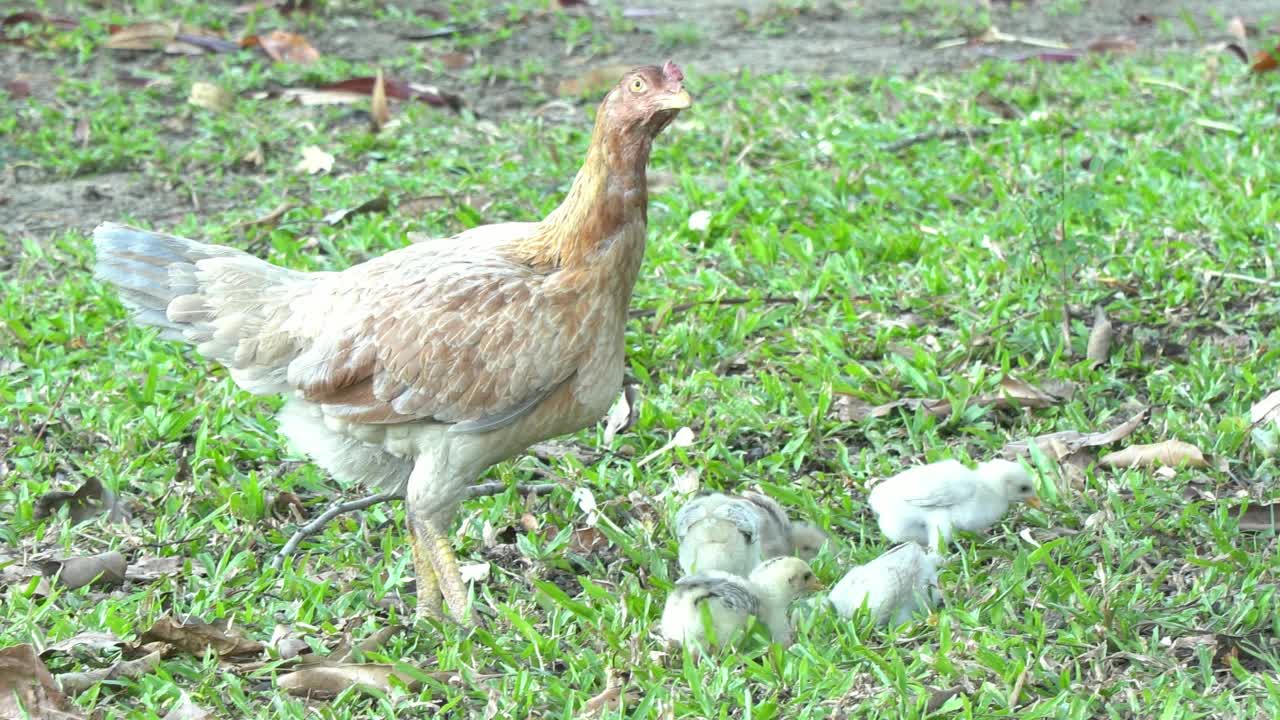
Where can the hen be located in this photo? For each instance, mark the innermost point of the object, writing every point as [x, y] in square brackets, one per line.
[421, 368]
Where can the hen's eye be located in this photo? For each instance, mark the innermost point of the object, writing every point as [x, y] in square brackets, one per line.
[637, 85]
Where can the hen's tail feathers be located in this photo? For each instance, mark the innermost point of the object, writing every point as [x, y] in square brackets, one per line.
[232, 306]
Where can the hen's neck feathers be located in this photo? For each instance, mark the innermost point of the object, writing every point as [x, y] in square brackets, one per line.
[609, 192]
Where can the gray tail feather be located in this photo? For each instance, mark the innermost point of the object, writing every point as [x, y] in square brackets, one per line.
[150, 269]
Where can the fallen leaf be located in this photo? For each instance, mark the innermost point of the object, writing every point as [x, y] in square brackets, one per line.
[1264, 61]
[27, 690]
[210, 97]
[1067, 442]
[851, 409]
[327, 681]
[150, 568]
[187, 709]
[587, 541]
[347, 652]
[356, 89]
[377, 204]
[1170, 453]
[103, 570]
[39, 23]
[314, 160]
[595, 81]
[89, 501]
[83, 132]
[623, 414]
[273, 217]
[379, 110]
[1268, 408]
[284, 46]
[284, 7]
[1117, 45]
[474, 572]
[1265, 516]
[85, 643]
[196, 636]
[78, 682]
[1099, 347]
[612, 699]
[1015, 393]
[687, 482]
[17, 89]
[173, 38]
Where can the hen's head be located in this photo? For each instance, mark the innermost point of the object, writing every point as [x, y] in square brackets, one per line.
[646, 100]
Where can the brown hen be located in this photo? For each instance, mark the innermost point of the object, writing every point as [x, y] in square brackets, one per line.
[421, 368]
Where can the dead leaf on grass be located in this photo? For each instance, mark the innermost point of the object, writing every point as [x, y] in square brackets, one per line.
[17, 88]
[39, 23]
[1263, 517]
[623, 414]
[614, 698]
[210, 97]
[322, 682]
[314, 160]
[1266, 409]
[378, 204]
[28, 690]
[85, 643]
[379, 110]
[195, 636]
[346, 652]
[1115, 45]
[1060, 445]
[1015, 393]
[1264, 61]
[271, 218]
[587, 541]
[173, 38]
[284, 47]
[78, 682]
[88, 501]
[150, 568]
[1170, 453]
[357, 89]
[1099, 348]
[103, 570]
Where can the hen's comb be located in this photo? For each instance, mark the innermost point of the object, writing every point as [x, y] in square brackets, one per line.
[671, 71]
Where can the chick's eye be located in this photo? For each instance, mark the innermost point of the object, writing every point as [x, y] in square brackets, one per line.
[637, 85]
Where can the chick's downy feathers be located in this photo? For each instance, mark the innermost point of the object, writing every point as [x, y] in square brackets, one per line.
[892, 587]
[736, 533]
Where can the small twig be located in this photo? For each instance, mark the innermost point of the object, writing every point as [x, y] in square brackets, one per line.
[315, 526]
[1242, 278]
[947, 134]
[766, 300]
[52, 410]
[497, 488]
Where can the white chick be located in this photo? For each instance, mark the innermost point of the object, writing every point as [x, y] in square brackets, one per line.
[735, 534]
[926, 504]
[893, 586]
[731, 601]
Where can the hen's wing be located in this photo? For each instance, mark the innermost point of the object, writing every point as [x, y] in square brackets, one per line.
[470, 339]
[935, 486]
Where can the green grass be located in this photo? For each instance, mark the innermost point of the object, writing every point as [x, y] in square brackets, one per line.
[1095, 618]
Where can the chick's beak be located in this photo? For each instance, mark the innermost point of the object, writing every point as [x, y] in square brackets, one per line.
[677, 100]
[814, 584]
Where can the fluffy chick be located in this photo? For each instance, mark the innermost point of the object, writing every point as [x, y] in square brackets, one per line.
[730, 601]
[734, 534]
[893, 586]
[926, 504]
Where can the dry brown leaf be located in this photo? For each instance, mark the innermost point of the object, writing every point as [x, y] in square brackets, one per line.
[1171, 453]
[173, 38]
[1015, 393]
[271, 218]
[1261, 517]
[85, 643]
[210, 97]
[314, 160]
[83, 132]
[378, 204]
[78, 682]
[379, 110]
[1266, 409]
[1118, 45]
[1099, 348]
[1062, 444]
[320, 682]
[196, 636]
[587, 541]
[90, 500]
[150, 568]
[611, 699]
[1264, 61]
[284, 46]
[347, 653]
[595, 81]
[356, 89]
[27, 690]
[103, 570]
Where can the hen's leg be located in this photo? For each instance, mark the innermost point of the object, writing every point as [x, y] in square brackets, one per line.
[429, 605]
[451, 585]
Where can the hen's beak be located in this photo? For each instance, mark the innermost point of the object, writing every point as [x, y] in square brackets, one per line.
[1033, 501]
[678, 100]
